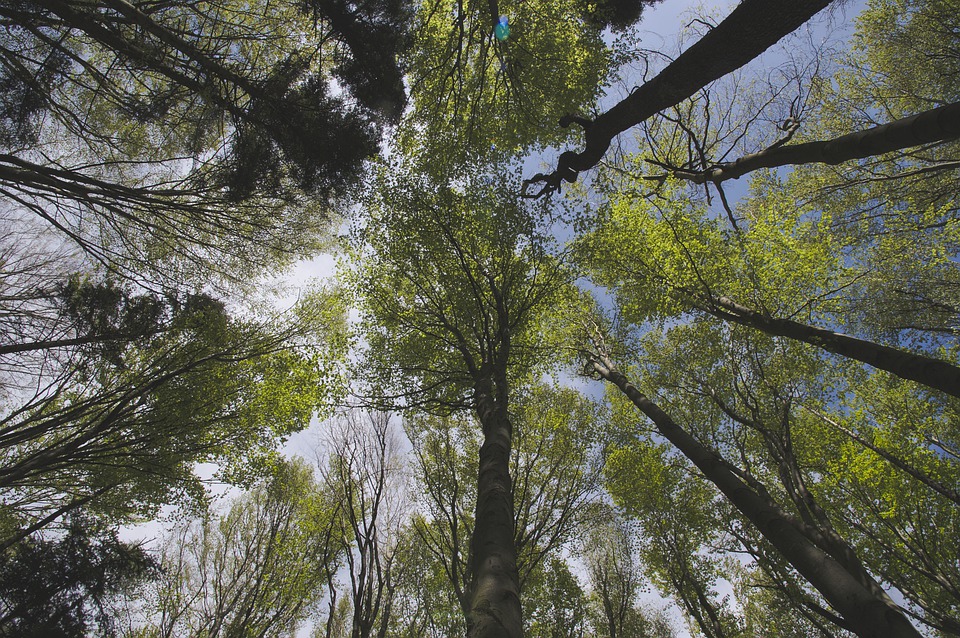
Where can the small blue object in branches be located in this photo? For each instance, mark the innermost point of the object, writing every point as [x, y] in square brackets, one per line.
[502, 29]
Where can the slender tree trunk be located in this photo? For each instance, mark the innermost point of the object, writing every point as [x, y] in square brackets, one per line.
[868, 615]
[50, 344]
[494, 580]
[611, 614]
[749, 30]
[935, 125]
[934, 373]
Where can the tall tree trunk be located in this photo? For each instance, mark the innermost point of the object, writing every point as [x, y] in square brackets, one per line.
[935, 125]
[494, 579]
[931, 372]
[867, 614]
[750, 29]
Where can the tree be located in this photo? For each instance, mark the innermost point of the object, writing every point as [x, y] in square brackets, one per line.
[53, 325]
[789, 113]
[556, 604]
[425, 605]
[894, 288]
[171, 145]
[256, 569]
[810, 256]
[63, 586]
[609, 555]
[366, 475]
[804, 256]
[825, 560]
[476, 95]
[901, 61]
[98, 315]
[886, 209]
[452, 283]
[893, 510]
[122, 436]
[678, 530]
[746, 33]
[555, 474]
[695, 262]
[140, 132]
[773, 602]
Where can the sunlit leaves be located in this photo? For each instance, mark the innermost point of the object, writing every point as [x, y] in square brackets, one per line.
[476, 96]
[129, 432]
[665, 254]
[453, 278]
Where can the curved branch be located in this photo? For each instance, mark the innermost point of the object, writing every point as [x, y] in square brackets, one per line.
[936, 125]
[752, 28]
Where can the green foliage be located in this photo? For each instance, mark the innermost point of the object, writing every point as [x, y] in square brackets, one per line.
[452, 279]
[664, 254]
[474, 96]
[895, 215]
[901, 524]
[176, 144]
[770, 603]
[781, 408]
[556, 468]
[171, 143]
[209, 388]
[903, 58]
[425, 605]
[609, 556]
[257, 569]
[186, 78]
[64, 586]
[680, 530]
[555, 471]
[555, 604]
[788, 419]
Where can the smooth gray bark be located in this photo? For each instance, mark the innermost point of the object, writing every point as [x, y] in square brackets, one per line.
[495, 583]
[868, 614]
[934, 373]
[936, 125]
[750, 29]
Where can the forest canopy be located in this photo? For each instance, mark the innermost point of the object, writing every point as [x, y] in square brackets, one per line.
[700, 376]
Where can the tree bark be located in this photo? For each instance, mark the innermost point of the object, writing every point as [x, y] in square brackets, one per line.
[936, 125]
[16, 348]
[750, 29]
[868, 615]
[933, 373]
[495, 582]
